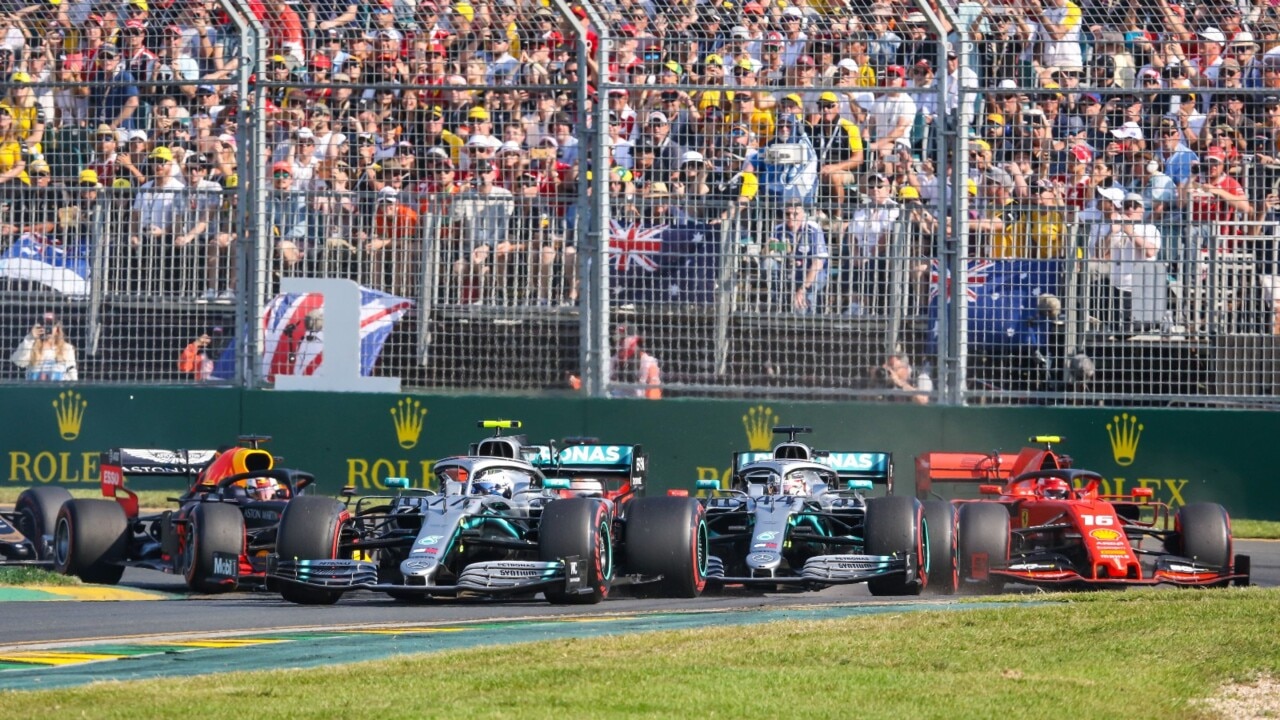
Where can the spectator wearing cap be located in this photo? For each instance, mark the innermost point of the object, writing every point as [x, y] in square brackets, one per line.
[29, 119]
[893, 113]
[1131, 241]
[1212, 42]
[481, 215]
[115, 98]
[656, 133]
[157, 209]
[14, 157]
[885, 42]
[798, 260]
[1039, 231]
[289, 218]
[395, 247]
[771, 68]
[1212, 199]
[284, 27]
[175, 64]
[758, 121]
[202, 226]
[838, 142]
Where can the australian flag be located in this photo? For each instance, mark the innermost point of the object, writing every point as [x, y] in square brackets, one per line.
[39, 259]
[1002, 297]
[664, 263]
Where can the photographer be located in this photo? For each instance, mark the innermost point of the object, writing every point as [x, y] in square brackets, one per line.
[195, 359]
[895, 374]
[45, 353]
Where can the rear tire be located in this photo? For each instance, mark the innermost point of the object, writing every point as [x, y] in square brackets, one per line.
[667, 536]
[944, 577]
[895, 526]
[1204, 535]
[36, 512]
[578, 527]
[309, 530]
[982, 530]
[90, 540]
[214, 528]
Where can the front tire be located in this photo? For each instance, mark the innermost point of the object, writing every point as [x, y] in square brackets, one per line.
[895, 526]
[309, 529]
[944, 576]
[218, 529]
[578, 527]
[667, 536]
[36, 512]
[90, 540]
[982, 538]
[1204, 535]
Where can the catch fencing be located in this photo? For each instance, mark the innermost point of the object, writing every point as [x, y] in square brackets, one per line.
[887, 203]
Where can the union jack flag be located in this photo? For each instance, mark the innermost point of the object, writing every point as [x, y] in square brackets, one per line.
[635, 246]
[975, 276]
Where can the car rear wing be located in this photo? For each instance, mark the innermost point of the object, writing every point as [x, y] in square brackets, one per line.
[876, 467]
[115, 464]
[592, 460]
[974, 468]
[989, 467]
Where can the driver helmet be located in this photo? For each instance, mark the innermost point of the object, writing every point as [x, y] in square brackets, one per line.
[262, 488]
[492, 484]
[794, 484]
[1054, 489]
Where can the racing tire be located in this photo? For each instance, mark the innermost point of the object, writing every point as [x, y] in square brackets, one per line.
[1204, 535]
[36, 514]
[895, 526]
[309, 530]
[667, 536]
[578, 527]
[90, 540]
[944, 575]
[982, 536]
[213, 529]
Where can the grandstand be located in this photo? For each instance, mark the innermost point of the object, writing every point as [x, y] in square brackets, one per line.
[1043, 201]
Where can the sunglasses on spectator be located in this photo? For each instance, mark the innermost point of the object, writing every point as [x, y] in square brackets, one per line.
[279, 175]
[738, 133]
[826, 105]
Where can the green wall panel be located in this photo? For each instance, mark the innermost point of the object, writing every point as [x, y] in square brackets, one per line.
[54, 434]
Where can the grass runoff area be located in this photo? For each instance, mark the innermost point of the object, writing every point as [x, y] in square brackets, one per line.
[1244, 529]
[1140, 653]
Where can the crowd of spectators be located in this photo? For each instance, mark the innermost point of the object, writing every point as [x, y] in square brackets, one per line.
[815, 126]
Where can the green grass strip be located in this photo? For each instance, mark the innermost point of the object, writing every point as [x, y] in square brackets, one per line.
[1142, 653]
[19, 576]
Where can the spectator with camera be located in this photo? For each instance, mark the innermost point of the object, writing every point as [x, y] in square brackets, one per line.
[897, 379]
[196, 358]
[45, 354]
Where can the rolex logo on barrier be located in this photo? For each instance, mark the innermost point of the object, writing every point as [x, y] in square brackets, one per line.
[1125, 432]
[408, 415]
[69, 410]
[759, 422]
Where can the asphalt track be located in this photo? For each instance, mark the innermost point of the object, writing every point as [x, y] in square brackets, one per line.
[242, 623]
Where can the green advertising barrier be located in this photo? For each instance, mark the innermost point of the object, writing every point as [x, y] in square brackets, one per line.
[56, 432]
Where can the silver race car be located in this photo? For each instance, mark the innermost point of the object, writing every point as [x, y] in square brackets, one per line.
[509, 519]
[802, 519]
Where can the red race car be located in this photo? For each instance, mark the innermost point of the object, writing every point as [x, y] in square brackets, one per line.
[1045, 523]
[219, 536]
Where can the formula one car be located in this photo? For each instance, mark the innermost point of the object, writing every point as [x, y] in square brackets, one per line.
[1046, 524]
[26, 533]
[509, 519]
[797, 518]
[217, 538]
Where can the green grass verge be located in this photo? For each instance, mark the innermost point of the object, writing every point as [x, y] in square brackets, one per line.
[1255, 529]
[13, 576]
[1100, 655]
